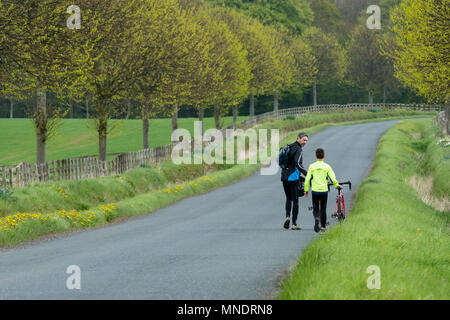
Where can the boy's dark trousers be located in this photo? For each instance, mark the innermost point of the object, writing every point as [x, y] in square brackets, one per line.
[319, 200]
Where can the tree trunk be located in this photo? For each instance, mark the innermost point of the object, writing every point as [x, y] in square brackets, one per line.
[315, 93]
[201, 112]
[102, 136]
[145, 127]
[235, 115]
[102, 126]
[102, 147]
[87, 108]
[71, 110]
[129, 110]
[447, 118]
[370, 96]
[42, 100]
[384, 92]
[217, 115]
[275, 101]
[41, 126]
[40, 148]
[175, 121]
[252, 105]
[11, 108]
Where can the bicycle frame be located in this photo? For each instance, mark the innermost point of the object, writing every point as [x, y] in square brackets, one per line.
[339, 211]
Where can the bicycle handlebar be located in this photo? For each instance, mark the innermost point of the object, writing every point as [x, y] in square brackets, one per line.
[342, 183]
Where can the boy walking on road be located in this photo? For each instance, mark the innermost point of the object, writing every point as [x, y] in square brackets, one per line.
[318, 174]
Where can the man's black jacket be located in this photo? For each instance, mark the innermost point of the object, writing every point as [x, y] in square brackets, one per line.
[295, 160]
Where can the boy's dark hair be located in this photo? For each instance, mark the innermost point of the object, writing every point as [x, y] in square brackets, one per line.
[320, 153]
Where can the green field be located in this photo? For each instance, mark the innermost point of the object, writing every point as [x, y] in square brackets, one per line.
[390, 226]
[76, 137]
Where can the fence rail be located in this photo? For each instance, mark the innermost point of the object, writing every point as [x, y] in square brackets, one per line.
[91, 167]
[79, 168]
[298, 111]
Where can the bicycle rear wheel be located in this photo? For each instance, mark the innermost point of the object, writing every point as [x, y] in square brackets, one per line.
[340, 211]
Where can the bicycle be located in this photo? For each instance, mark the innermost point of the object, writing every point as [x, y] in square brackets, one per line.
[339, 211]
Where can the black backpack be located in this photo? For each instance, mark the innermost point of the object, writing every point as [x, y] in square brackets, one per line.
[283, 156]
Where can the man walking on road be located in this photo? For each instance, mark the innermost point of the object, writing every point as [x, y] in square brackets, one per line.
[290, 177]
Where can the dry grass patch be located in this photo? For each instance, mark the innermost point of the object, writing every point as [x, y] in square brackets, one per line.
[423, 185]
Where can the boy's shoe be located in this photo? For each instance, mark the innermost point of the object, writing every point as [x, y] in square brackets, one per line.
[323, 229]
[295, 227]
[287, 222]
[316, 226]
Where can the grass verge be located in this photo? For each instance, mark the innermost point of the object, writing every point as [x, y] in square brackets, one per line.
[23, 227]
[389, 227]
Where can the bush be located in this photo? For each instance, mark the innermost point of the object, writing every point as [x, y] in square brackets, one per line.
[6, 194]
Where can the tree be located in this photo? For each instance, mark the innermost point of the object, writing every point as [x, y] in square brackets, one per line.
[282, 62]
[172, 51]
[329, 56]
[47, 57]
[366, 65]
[123, 55]
[223, 71]
[422, 48]
[326, 15]
[236, 72]
[304, 63]
[257, 42]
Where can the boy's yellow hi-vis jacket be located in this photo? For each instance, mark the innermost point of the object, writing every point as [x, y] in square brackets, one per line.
[317, 175]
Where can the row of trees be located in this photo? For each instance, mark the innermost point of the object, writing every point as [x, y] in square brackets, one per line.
[160, 54]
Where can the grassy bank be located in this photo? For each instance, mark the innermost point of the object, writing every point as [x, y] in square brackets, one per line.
[389, 226]
[93, 202]
[27, 226]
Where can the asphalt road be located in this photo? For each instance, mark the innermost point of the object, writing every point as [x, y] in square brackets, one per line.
[227, 244]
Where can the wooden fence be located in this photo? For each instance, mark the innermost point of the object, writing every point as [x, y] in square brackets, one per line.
[79, 168]
[280, 114]
[90, 167]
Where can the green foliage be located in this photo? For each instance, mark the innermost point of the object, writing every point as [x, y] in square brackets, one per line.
[327, 16]
[6, 194]
[422, 51]
[329, 55]
[46, 55]
[367, 67]
[294, 15]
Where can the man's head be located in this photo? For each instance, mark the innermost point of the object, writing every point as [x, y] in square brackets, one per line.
[302, 138]
[320, 154]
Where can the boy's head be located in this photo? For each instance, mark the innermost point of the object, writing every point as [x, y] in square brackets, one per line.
[320, 154]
